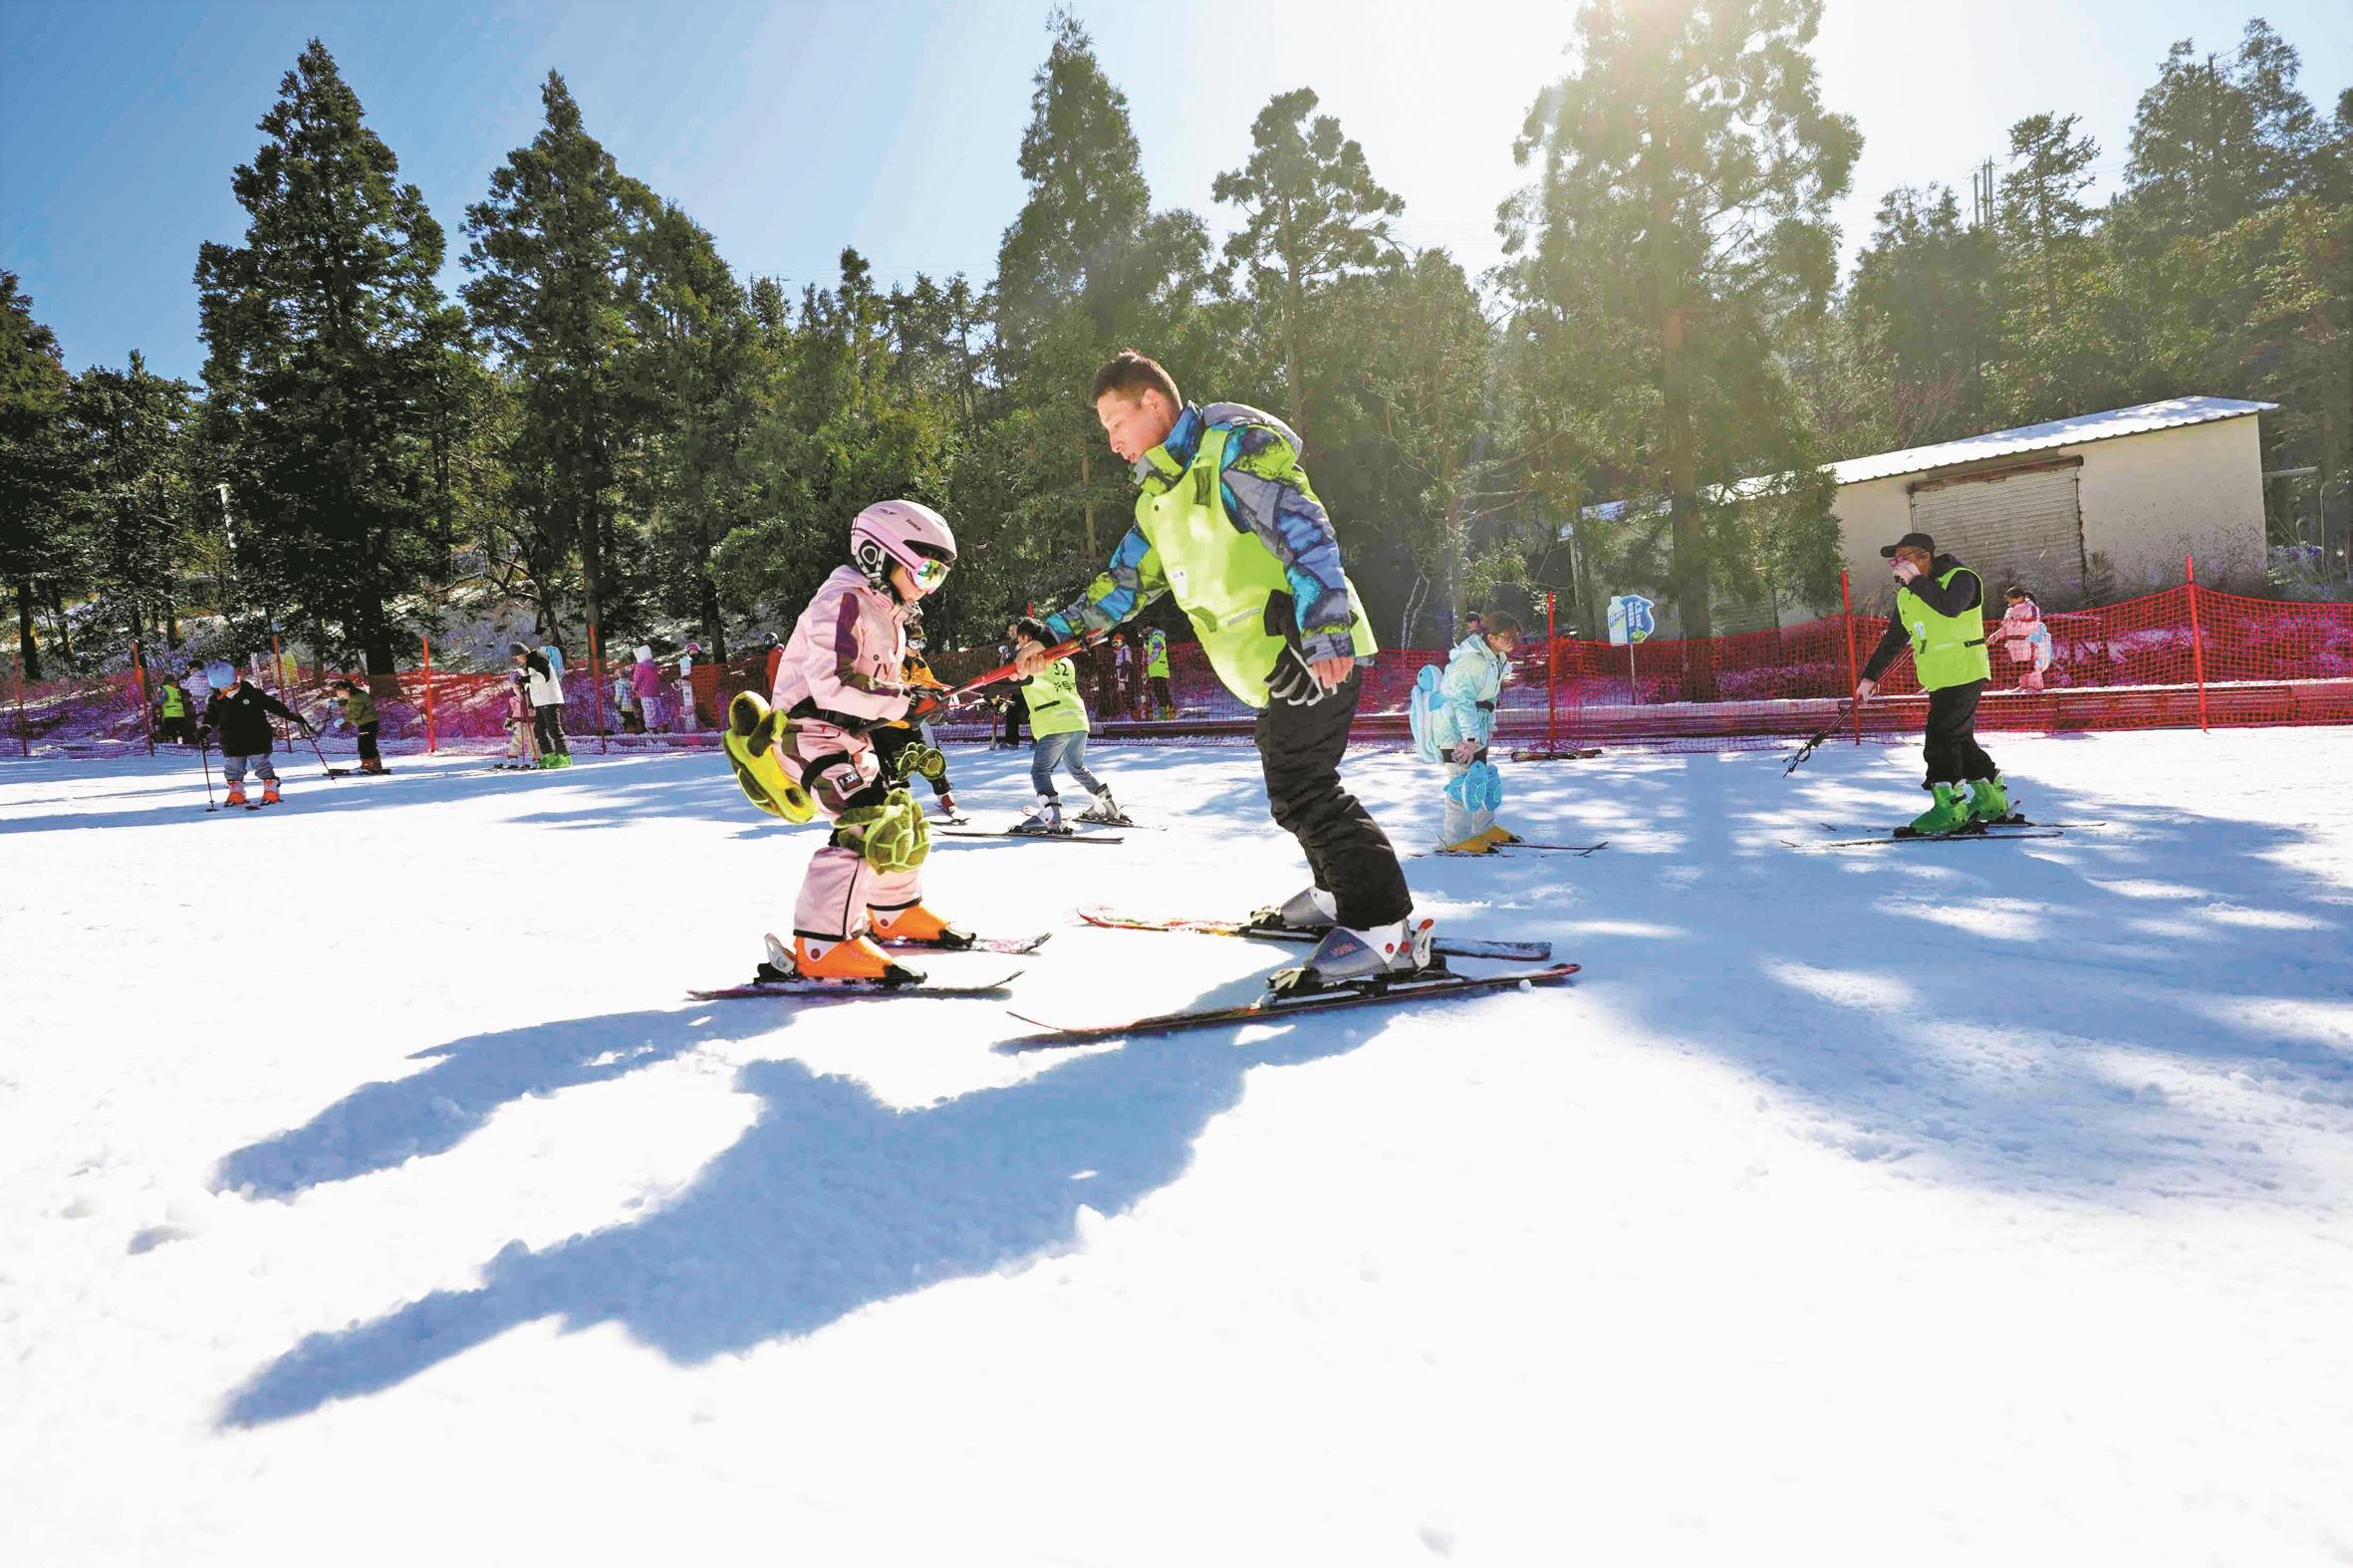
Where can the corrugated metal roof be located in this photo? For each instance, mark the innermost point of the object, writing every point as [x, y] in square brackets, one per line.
[2139, 420]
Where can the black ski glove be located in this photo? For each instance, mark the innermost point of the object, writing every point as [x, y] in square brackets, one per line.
[1292, 682]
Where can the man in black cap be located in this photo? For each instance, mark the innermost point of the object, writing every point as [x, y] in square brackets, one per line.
[1940, 618]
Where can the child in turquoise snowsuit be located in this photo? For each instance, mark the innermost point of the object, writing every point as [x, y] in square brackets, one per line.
[1454, 715]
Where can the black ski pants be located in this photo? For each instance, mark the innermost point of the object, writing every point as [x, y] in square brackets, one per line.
[367, 751]
[1299, 750]
[547, 719]
[1952, 750]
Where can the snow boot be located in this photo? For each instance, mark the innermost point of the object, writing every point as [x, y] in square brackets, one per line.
[917, 925]
[1105, 811]
[1044, 821]
[1988, 801]
[1394, 952]
[848, 958]
[1308, 909]
[269, 792]
[1951, 812]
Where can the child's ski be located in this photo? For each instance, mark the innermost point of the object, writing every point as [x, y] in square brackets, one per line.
[801, 987]
[1007, 944]
[1466, 855]
[2013, 820]
[1272, 1006]
[1443, 947]
[1523, 754]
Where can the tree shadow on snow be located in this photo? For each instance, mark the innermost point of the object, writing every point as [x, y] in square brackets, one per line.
[830, 1201]
[2052, 1016]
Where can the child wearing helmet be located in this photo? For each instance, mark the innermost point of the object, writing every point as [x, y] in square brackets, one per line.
[240, 713]
[843, 674]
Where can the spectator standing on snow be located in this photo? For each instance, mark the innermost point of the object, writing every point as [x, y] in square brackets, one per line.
[547, 703]
[647, 678]
[689, 711]
[1939, 618]
[625, 703]
[1156, 668]
[2028, 638]
[198, 688]
[239, 711]
[178, 720]
[359, 711]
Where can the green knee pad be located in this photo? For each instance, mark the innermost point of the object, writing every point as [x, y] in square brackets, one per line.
[930, 762]
[892, 836]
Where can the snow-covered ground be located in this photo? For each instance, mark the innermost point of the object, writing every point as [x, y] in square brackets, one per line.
[369, 1193]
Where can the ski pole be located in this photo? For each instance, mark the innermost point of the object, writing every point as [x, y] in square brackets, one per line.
[207, 757]
[931, 703]
[312, 736]
[1820, 736]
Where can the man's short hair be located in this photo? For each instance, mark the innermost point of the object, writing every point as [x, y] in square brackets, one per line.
[1132, 375]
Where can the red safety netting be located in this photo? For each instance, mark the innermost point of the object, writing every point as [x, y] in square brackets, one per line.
[2186, 655]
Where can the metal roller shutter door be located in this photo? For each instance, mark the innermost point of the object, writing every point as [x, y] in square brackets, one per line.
[2018, 527]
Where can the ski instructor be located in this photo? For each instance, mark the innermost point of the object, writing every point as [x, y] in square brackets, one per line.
[1228, 524]
[1940, 618]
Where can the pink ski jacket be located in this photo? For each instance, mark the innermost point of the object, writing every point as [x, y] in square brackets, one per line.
[846, 657]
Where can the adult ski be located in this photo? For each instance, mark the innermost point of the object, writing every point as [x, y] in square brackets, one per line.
[1904, 837]
[1271, 1005]
[1443, 947]
[2013, 820]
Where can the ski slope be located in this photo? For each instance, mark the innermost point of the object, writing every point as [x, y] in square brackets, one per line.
[370, 1193]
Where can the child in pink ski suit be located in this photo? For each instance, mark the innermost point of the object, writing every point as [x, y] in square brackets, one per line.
[842, 673]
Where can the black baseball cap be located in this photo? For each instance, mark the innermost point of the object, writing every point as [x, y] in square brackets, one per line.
[1908, 542]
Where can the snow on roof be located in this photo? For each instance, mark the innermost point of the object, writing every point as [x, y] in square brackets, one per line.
[2140, 420]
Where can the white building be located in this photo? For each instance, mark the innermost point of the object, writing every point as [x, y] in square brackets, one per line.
[2112, 499]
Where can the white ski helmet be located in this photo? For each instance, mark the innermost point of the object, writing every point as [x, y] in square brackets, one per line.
[907, 532]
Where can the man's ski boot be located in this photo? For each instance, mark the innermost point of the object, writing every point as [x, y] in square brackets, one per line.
[1950, 813]
[269, 792]
[1347, 958]
[1988, 801]
[1107, 812]
[1308, 909]
[852, 959]
[916, 926]
[1043, 822]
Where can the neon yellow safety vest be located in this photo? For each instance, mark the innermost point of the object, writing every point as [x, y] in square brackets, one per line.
[1946, 650]
[1156, 652]
[1219, 576]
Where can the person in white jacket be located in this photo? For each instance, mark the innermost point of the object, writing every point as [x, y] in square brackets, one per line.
[1453, 717]
[546, 688]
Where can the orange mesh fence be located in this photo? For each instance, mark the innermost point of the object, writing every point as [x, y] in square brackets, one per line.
[2184, 657]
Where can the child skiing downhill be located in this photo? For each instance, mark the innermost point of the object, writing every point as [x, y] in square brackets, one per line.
[841, 677]
[1058, 721]
[240, 713]
[1228, 523]
[1453, 715]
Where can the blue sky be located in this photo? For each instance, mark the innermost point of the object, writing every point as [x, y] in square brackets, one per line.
[792, 129]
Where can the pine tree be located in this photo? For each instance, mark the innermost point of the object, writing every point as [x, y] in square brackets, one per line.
[552, 287]
[35, 547]
[325, 331]
[131, 435]
[2215, 143]
[1923, 298]
[1312, 214]
[1677, 241]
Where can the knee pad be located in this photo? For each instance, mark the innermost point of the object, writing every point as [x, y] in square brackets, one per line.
[893, 836]
[1462, 791]
[1490, 784]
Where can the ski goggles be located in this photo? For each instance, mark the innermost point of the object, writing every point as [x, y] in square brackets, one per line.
[928, 569]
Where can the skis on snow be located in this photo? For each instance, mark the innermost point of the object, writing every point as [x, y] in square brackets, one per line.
[775, 978]
[1467, 855]
[1008, 836]
[1957, 836]
[1273, 1005]
[1443, 947]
